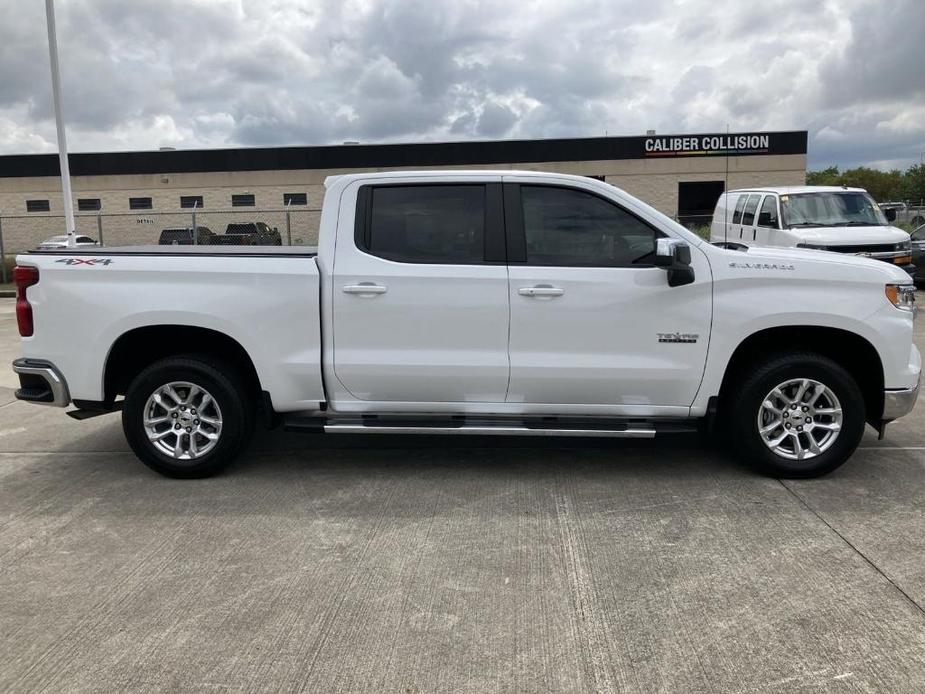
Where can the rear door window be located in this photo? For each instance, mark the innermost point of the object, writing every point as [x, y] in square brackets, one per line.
[740, 205]
[748, 213]
[442, 224]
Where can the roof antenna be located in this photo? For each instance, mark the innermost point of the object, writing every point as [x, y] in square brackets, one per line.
[726, 194]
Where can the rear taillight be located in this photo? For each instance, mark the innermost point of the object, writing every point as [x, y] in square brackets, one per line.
[24, 277]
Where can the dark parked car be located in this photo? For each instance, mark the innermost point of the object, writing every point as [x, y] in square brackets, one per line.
[249, 234]
[183, 236]
[918, 254]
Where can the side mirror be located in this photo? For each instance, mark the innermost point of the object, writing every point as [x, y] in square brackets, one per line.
[890, 213]
[675, 257]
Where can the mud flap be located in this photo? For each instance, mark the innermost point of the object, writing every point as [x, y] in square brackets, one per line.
[881, 429]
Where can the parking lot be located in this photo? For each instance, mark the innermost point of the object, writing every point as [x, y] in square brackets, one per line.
[447, 565]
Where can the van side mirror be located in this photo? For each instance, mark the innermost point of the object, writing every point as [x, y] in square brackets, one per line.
[890, 213]
[765, 219]
[675, 257]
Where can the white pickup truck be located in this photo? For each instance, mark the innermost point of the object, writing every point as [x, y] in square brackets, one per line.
[473, 302]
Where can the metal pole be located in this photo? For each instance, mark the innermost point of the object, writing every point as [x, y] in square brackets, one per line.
[2, 253]
[195, 231]
[99, 228]
[59, 123]
[288, 224]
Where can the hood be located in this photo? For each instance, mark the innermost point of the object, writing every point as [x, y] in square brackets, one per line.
[851, 236]
[856, 266]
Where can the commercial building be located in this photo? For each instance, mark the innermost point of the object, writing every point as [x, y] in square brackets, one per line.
[129, 197]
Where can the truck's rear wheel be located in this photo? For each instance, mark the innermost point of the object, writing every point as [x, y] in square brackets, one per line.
[799, 415]
[187, 416]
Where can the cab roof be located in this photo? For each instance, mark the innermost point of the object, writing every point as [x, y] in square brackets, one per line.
[447, 173]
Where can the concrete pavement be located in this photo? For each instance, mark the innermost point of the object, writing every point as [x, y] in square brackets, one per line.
[422, 565]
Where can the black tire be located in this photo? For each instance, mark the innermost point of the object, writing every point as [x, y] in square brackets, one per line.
[744, 404]
[227, 391]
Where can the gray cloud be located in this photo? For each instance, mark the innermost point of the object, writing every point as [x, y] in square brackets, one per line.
[884, 59]
[260, 72]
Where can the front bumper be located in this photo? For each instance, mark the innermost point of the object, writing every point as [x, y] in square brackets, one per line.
[41, 382]
[898, 403]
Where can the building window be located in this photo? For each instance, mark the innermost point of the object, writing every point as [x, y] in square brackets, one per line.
[88, 204]
[37, 206]
[295, 199]
[697, 201]
[244, 200]
[140, 204]
[191, 201]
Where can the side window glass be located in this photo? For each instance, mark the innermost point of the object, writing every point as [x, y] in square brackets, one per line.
[568, 227]
[740, 205]
[427, 224]
[919, 234]
[748, 214]
[767, 217]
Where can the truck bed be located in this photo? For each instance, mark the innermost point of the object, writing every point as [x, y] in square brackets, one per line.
[190, 250]
[264, 298]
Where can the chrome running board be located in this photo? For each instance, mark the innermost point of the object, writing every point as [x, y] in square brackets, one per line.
[501, 430]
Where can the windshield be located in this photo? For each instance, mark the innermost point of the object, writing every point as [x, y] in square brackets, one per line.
[831, 210]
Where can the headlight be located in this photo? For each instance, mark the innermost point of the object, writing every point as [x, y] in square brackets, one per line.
[904, 246]
[902, 296]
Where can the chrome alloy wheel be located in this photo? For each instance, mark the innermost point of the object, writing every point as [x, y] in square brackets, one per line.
[799, 419]
[182, 420]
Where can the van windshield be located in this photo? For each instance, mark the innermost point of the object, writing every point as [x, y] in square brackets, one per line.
[831, 209]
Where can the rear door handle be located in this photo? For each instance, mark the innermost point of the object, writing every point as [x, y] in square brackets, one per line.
[541, 291]
[365, 288]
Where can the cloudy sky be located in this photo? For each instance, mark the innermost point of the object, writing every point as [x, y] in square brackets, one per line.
[139, 74]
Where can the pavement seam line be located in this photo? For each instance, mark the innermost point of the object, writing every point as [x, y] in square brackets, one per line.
[844, 539]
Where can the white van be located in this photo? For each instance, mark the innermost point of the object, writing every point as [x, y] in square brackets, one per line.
[829, 218]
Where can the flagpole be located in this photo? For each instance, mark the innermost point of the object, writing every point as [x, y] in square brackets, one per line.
[59, 123]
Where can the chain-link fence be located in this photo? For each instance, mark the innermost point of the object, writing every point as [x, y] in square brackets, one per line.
[288, 226]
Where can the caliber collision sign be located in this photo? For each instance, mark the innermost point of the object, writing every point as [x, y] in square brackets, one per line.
[705, 145]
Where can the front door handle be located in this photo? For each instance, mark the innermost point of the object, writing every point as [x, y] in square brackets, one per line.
[541, 291]
[365, 288]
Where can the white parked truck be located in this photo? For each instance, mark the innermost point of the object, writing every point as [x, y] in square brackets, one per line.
[473, 302]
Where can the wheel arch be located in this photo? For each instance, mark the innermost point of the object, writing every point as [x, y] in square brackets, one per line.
[137, 348]
[851, 351]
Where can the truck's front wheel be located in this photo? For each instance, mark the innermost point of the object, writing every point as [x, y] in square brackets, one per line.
[187, 416]
[797, 415]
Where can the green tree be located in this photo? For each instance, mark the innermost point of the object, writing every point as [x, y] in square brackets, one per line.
[882, 185]
[823, 177]
[913, 188]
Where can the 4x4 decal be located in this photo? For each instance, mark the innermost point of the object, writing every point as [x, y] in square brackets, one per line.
[85, 261]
